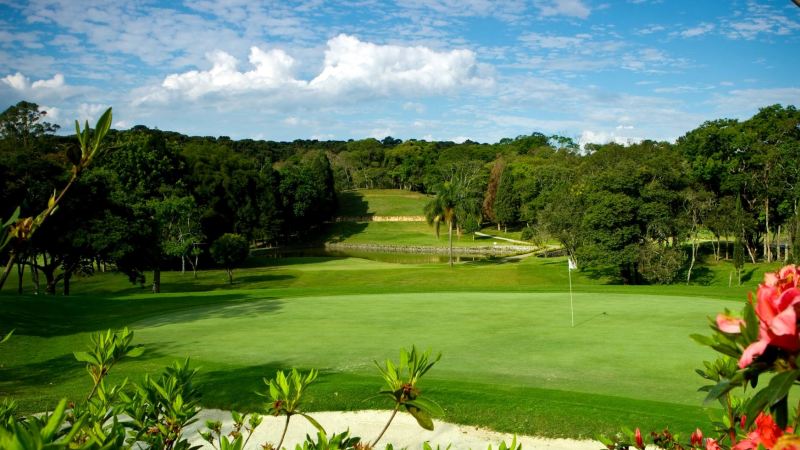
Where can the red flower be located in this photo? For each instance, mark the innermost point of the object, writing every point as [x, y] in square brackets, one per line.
[777, 307]
[639, 442]
[742, 421]
[766, 433]
[711, 444]
[697, 438]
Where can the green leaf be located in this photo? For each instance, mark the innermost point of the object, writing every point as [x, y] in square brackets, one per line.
[79, 134]
[423, 419]
[135, 352]
[86, 357]
[102, 127]
[313, 422]
[13, 218]
[426, 405]
[702, 340]
[55, 421]
[720, 389]
[7, 337]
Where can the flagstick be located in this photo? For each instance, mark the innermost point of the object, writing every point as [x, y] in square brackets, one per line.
[571, 309]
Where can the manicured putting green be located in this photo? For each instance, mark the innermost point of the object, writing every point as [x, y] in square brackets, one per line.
[510, 360]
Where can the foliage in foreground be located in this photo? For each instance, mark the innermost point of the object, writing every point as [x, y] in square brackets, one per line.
[764, 340]
[155, 413]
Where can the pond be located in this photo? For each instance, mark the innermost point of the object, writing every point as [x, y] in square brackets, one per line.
[389, 257]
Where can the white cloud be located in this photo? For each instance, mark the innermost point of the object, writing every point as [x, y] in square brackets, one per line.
[604, 137]
[699, 30]
[650, 29]
[54, 83]
[570, 8]
[554, 42]
[17, 81]
[21, 83]
[760, 19]
[744, 102]
[90, 112]
[352, 69]
[52, 113]
[419, 108]
[355, 66]
[272, 70]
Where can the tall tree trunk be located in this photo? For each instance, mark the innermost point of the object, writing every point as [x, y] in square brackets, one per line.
[67, 276]
[157, 280]
[778, 244]
[20, 273]
[750, 251]
[450, 239]
[230, 275]
[183, 264]
[35, 276]
[694, 258]
[767, 247]
[50, 279]
[12, 258]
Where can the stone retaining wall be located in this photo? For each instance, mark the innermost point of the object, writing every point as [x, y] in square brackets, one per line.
[379, 219]
[483, 250]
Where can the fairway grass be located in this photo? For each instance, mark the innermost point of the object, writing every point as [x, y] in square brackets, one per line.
[511, 359]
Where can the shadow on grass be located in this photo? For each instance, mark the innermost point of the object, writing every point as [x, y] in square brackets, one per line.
[56, 371]
[45, 316]
[239, 282]
[340, 231]
[243, 388]
[352, 204]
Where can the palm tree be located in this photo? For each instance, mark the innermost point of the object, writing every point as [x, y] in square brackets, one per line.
[443, 208]
[456, 201]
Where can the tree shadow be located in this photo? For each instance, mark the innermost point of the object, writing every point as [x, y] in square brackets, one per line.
[703, 276]
[45, 316]
[352, 204]
[223, 284]
[340, 231]
[57, 370]
[243, 388]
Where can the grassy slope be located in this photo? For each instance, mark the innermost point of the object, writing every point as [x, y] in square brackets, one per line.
[393, 202]
[511, 361]
[382, 202]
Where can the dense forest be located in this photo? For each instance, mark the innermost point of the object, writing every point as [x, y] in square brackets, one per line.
[158, 199]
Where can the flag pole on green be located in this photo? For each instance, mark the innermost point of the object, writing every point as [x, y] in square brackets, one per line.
[570, 267]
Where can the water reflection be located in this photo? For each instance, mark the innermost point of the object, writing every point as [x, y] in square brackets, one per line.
[389, 257]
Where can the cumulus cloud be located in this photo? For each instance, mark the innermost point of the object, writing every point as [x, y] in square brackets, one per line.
[272, 70]
[352, 65]
[351, 69]
[21, 83]
[569, 8]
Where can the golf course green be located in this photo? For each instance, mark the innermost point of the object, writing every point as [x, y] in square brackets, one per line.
[511, 358]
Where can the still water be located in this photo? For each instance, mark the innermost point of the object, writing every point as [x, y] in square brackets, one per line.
[390, 257]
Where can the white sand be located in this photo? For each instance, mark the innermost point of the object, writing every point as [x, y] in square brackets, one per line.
[404, 432]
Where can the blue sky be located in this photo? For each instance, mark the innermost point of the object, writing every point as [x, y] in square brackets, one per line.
[593, 70]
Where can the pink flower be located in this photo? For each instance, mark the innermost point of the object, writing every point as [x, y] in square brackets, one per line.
[711, 444]
[697, 438]
[729, 324]
[777, 307]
